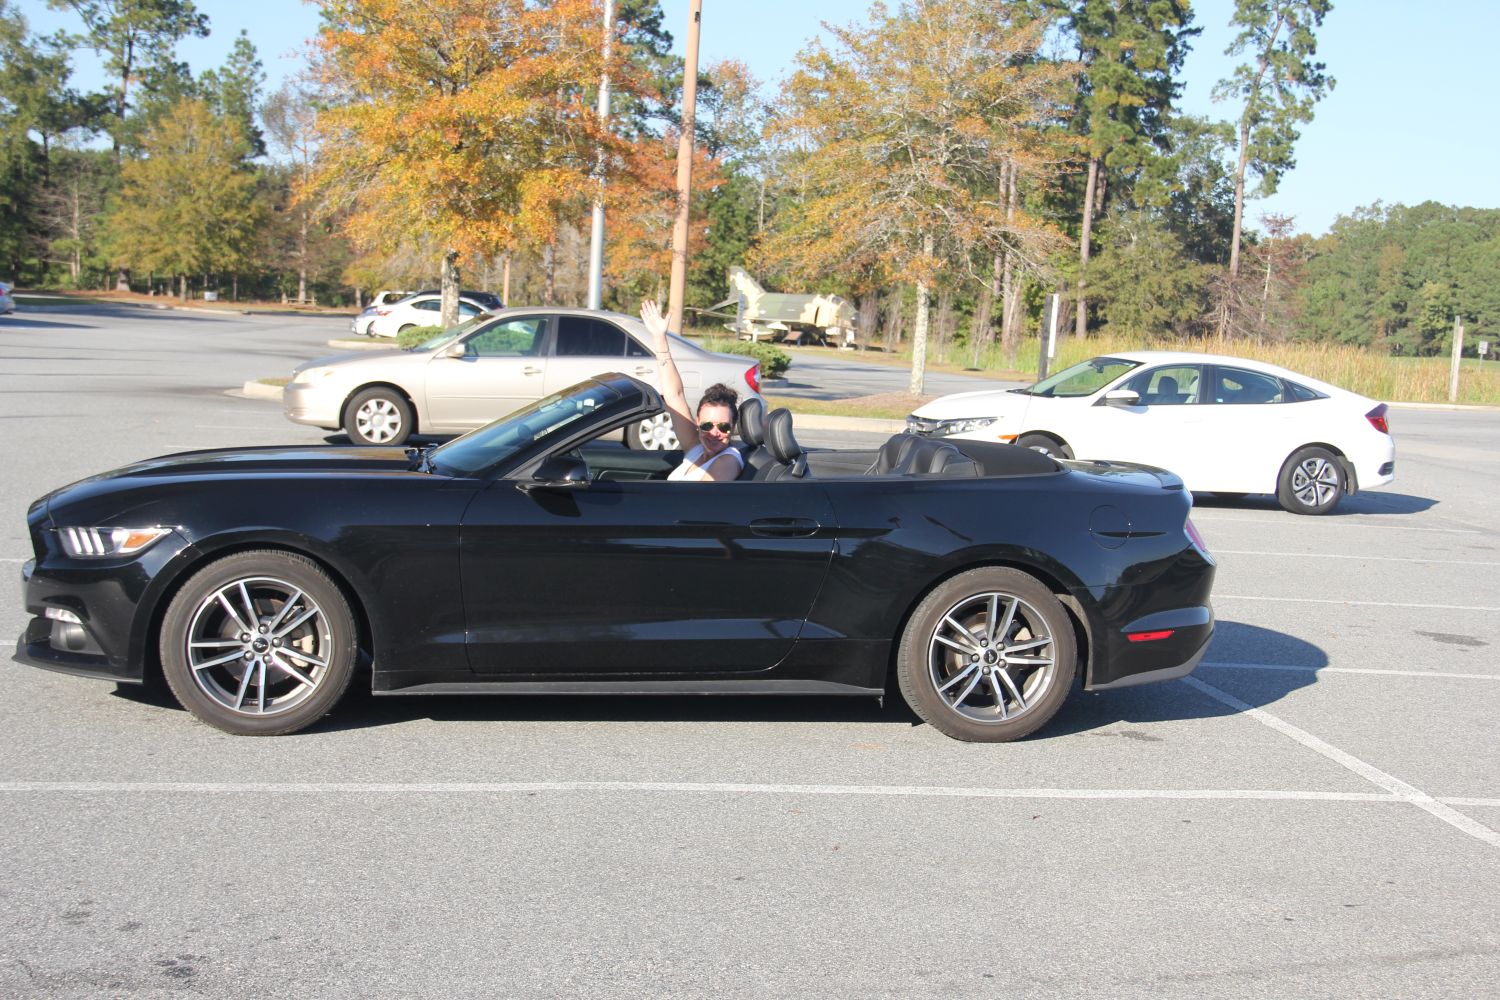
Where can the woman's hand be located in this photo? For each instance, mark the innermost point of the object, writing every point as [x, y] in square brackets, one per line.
[656, 323]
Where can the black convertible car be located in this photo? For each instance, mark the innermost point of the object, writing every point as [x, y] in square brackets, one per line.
[532, 556]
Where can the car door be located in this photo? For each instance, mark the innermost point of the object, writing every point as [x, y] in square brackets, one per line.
[500, 370]
[645, 577]
[1248, 431]
[585, 346]
[1163, 429]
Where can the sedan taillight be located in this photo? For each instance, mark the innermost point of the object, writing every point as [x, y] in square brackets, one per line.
[382, 312]
[752, 378]
[1193, 536]
[1377, 420]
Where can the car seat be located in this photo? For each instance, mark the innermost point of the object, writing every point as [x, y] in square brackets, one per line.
[892, 454]
[789, 461]
[1167, 391]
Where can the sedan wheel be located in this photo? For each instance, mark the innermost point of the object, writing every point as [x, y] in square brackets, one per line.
[1046, 445]
[653, 434]
[259, 644]
[378, 416]
[1311, 482]
[988, 656]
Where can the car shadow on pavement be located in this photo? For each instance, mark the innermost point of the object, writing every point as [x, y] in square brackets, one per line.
[28, 323]
[1367, 502]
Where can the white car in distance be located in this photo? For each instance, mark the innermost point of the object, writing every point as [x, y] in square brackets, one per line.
[416, 310]
[7, 304]
[1225, 425]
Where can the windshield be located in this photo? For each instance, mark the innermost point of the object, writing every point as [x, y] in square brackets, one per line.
[494, 443]
[439, 339]
[1084, 378]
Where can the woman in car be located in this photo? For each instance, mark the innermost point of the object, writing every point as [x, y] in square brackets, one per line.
[711, 459]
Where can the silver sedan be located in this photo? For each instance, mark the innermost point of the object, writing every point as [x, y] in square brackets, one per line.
[491, 365]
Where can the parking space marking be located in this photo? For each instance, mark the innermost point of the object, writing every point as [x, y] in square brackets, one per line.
[1198, 518]
[1329, 555]
[1349, 670]
[1371, 773]
[1366, 604]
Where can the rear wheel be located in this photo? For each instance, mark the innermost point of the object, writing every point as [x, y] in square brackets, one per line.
[988, 656]
[1045, 444]
[378, 416]
[1311, 482]
[259, 644]
[653, 434]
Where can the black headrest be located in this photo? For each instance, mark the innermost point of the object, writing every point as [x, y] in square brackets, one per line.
[784, 447]
[753, 422]
[949, 461]
[893, 452]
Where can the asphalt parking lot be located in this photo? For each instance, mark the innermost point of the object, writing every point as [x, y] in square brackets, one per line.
[1315, 812]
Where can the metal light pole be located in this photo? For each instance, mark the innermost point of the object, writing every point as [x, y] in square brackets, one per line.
[596, 236]
[678, 286]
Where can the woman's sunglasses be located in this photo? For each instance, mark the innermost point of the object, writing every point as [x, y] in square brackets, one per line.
[724, 426]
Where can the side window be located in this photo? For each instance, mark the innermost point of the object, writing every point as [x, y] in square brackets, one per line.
[635, 349]
[1301, 393]
[1237, 385]
[1170, 385]
[583, 337]
[465, 310]
[512, 338]
[430, 305]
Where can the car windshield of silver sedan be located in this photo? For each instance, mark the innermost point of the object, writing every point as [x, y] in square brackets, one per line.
[439, 339]
[488, 446]
[1082, 379]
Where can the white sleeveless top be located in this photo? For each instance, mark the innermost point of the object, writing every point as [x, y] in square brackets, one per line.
[690, 472]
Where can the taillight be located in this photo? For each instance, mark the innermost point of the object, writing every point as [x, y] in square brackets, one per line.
[382, 312]
[752, 378]
[1377, 420]
[1193, 536]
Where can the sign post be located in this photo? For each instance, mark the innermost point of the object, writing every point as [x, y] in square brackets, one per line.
[1458, 350]
[1484, 348]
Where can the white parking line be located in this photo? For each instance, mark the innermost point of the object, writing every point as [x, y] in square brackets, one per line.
[1224, 665]
[1198, 518]
[1394, 785]
[1329, 555]
[1367, 604]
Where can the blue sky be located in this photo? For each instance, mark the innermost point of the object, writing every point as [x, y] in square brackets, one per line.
[1406, 123]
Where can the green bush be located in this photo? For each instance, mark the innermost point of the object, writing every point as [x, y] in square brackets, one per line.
[415, 335]
[773, 360]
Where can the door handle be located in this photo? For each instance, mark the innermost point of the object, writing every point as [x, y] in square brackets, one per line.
[643, 370]
[784, 527]
[528, 370]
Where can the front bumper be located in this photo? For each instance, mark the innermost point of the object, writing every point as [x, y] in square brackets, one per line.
[305, 404]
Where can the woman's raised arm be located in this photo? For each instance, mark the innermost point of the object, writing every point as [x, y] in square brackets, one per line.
[683, 421]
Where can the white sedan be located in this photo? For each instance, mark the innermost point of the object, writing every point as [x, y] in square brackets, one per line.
[1225, 425]
[417, 310]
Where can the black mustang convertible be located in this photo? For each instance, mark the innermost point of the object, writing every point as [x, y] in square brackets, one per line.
[536, 556]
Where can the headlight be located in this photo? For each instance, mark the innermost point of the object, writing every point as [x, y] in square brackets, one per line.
[101, 543]
[945, 428]
[308, 374]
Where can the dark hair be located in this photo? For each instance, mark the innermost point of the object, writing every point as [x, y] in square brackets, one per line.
[720, 394]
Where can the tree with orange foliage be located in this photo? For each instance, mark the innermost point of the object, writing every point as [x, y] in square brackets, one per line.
[906, 134]
[461, 126]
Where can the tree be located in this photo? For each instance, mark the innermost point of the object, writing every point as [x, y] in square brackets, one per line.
[1275, 91]
[234, 90]
[1129, 53]
[460, 124]
[291, 117]
[187, 206]
[905, 134]
[1145, 284]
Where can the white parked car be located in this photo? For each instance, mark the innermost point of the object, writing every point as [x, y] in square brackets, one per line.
[7, 304]
[422, 309]
[491, 365]
[1225, 425]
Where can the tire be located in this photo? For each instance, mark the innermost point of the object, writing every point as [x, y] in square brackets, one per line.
[1311, 482]
[653, 434]
[404, 327]
[379, 416]
[277, 662]
[1046, 445]
[965, 683]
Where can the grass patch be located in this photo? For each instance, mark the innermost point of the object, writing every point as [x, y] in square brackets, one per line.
[885, 406]
[278, 382]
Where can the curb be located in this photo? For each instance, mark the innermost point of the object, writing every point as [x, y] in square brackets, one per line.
[364, 344]
[257, 390]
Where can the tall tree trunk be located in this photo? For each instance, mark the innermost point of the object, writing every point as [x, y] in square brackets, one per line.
[919, 329]
[1081, 323]
[449, 289]
[182, 288]
[982, 332]
[1009, 302]
[302, 260]
[549, 273]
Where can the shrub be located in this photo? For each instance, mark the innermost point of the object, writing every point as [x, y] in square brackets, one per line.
[773, 360]
[415, 335]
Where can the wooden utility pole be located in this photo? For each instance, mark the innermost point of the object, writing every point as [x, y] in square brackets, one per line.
[678, 287]
[1458, 350]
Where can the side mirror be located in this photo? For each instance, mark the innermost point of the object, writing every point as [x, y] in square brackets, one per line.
[457, 349]
[1122, 397]
[560, 472]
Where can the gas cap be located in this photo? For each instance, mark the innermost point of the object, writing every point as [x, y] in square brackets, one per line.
[1109, 527]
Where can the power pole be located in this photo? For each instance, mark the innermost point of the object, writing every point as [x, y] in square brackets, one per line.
[1458, 350]
[678, 286]
[596, 236]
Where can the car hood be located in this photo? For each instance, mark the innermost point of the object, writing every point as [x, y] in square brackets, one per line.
[984, 403]
[388, 356]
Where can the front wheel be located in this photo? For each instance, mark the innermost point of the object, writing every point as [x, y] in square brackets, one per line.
[988, 656]
[378, 416]
[1046, 445]
[653, 434]
[1311, 482]
[259, 643]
